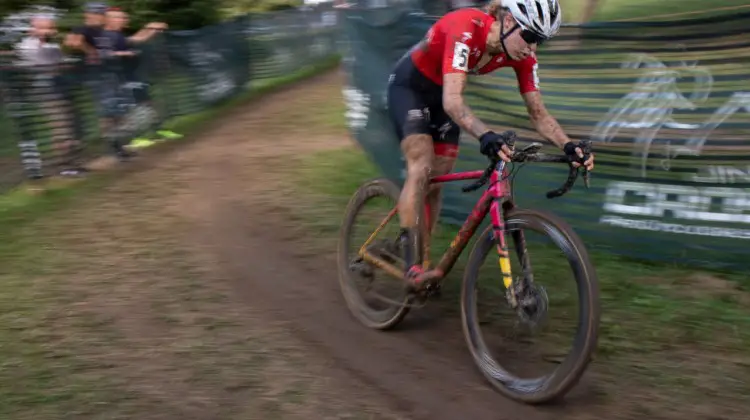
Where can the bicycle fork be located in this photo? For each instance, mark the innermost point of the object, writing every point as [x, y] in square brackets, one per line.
[497, 210]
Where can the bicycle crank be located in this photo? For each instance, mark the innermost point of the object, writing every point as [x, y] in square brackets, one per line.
[367, 272]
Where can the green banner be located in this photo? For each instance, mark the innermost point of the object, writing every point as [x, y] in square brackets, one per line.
[666, 104]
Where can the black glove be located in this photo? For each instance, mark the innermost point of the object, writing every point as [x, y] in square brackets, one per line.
[490, 143]
[570, 150]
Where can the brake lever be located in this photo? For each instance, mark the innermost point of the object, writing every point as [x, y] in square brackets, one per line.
[586, 154]
[586, 181]
[510, 142]
[572, 175]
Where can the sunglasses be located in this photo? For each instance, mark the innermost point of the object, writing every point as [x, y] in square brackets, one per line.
[531, 37]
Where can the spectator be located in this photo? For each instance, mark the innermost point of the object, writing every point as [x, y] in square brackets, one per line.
[89, 37]
[38, 48]
[42, 84]
[117, 44]
[101, 34]
[116, 20]
[101, 38]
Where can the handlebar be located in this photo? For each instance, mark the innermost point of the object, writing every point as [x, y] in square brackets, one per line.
[531, 153]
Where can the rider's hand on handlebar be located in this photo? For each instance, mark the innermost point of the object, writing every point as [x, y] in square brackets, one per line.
[575, 152]
[492, 144]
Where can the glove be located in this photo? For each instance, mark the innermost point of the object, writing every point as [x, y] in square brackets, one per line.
[570, 150]
[490, 143]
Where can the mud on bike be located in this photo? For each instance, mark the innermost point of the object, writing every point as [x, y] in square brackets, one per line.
[527, 301]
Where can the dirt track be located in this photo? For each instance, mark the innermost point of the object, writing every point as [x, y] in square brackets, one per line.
[217, 203]
[422, 371]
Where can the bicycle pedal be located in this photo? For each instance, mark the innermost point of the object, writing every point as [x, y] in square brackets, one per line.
[362, 268]
[425, 290]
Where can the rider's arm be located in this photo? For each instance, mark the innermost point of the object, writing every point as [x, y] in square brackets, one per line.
[458, 45]
[547, 126]
[544, 123]
[454, 105]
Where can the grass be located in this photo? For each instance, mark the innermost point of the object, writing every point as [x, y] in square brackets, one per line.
[662, 325]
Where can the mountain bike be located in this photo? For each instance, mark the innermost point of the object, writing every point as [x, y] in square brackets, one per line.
[523, 296]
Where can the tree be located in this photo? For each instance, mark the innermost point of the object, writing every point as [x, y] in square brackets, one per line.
[238, 7]
[179, 14]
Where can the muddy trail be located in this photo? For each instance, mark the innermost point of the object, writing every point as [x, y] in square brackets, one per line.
[210, 217]
[233, 194]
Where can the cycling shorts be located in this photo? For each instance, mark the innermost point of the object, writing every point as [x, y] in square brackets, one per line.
[415, 105]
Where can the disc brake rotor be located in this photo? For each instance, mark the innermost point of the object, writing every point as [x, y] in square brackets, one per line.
[533, 306]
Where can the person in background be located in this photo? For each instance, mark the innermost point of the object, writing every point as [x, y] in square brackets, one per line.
[117, 44]
[87, 38]
[101, 37]
[42, 59]
[102, 31]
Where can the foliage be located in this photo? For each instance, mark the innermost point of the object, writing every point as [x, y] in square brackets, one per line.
[237, 7]
[179, 14]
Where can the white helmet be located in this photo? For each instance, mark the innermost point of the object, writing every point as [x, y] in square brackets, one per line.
[540, 16]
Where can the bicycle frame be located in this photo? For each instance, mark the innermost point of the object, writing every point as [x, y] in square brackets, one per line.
[496, 195]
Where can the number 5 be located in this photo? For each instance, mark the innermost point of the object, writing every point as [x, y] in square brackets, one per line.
[461, 57]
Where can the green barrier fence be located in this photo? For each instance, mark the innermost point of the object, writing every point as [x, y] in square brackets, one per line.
[666, 103]
[52, 117]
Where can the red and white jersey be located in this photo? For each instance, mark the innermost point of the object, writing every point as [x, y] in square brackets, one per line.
[456, 44]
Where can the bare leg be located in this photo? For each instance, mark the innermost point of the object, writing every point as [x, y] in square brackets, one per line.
[417, 150]
[441, 165]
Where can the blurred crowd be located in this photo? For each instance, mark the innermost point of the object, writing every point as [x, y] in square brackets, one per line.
[44, 55]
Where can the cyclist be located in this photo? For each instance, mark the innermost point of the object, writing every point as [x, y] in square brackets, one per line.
[425, 99]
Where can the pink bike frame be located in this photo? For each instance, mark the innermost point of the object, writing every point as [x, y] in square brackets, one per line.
[498, 194]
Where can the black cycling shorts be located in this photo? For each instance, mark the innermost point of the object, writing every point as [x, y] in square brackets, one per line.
[415, 104]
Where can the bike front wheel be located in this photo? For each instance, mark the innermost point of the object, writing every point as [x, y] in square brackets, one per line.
[572, 259]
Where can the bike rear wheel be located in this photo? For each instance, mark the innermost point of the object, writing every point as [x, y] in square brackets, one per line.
[374, 310]
[568, 372]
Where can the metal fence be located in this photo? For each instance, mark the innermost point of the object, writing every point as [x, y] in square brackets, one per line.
[667, 105]
[52, 115]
